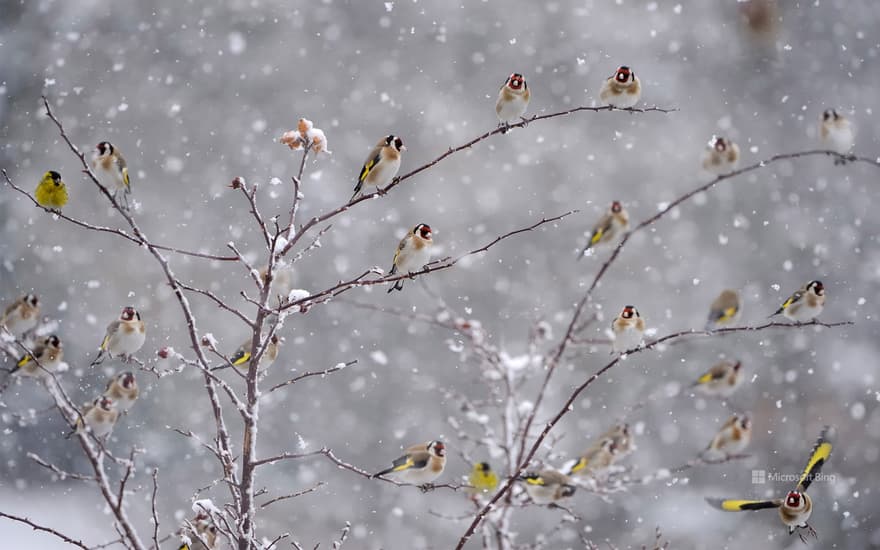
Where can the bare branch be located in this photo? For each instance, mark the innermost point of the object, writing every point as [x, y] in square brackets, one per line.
[345, 530]
[292, 495]
[322, 373]
[37, 527]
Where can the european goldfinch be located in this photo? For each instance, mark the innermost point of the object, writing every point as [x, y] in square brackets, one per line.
[733, 438]
[420, 465]
[22, 315]
[413, 252]
[805, 304]
[111, 170]
[612, 224]
[628, 329]
[547, 486]
[623, 438]
[513, 99]
[99, 416]
[622, 89]
[51, 192]
[721, 380]
[206, 531]
[482, 479]
[381, 165]
[124, 336]
[46, 358]
[836, 133]
[594, 460]
[721, 156]
[243, 354]
[725, 310]
[123, 390]
[795, 509]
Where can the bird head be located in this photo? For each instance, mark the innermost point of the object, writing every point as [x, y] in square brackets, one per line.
[830, 114]
[104, 149]
[395, 142]
[32, 300]
[737, 366]
[483, 467]
[105, 403]
[616, 207]
[423, 230]
[629, 312]
[127, 380]
[53, 341]
[816, 287]
[516, 82]
[719, 144]
[624, 74]
[437, 448]
[56, 177]
[129, 313]
[793, 499]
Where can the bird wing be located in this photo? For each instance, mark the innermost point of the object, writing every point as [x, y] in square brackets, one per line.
[409, 460]
[793, 299]
[715, 373]
[601, 228]
[397, 254]
[736, 505]
[123, 167]
[819, 456]
[242, 355]
[372, 160]
[112, 329]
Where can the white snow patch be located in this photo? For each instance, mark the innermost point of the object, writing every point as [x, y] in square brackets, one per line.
[379, 357]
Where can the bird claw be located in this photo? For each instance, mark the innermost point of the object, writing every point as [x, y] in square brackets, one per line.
[426, 487]
[525, 121]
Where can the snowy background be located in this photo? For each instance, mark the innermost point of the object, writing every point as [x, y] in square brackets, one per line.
[195, 94]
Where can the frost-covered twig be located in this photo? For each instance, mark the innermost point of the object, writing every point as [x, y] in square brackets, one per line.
[220, 303]
[62, 474]
[322, 373]
[344, 535]
[50, 530]
[568, 404]
[155, 477]
[292, 495]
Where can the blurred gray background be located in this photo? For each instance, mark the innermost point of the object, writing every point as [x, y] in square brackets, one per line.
[197, 93]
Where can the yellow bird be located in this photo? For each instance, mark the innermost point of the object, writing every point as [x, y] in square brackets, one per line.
[795, 509]
[51, 192]
[482, 479]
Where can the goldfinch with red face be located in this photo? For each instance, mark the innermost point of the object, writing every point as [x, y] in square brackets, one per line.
[805, 304]
[513, 99]
[99, 416]
[123, 390]
[420, 465]
[721, 380]
[623, 438]
[46, 358]
[22, 315]
[732, 439]
[621, 90]
[725, 310]
[836, 133]
[721, 156]
[628, 329]
[124, 336]
[413, 252]
[547, 486]
[202, 537]
[382, 164]
[110, 167]
[795, 509]
[609, 227]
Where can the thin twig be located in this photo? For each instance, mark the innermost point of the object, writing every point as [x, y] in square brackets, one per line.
[292, 495]
[321, 373]
[37, 527]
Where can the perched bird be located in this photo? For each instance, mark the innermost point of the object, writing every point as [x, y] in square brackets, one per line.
[594, 460]
[111, 170]
[413, 252]
[420, 465]
[614, 222]
[622, 89]
[547, 486]
[482, 479]
[628, 329]
[721, 380]
[725, 310]
[721, 156]
[201, 536]
[381, 165]
[622, 436]
[733, 438]
[836, 133]
[45, 358]
[123, 390]
[243, 354]
[805, 304]
[124, 336]
[99, 417]
[51, 192]
[21, 315]
[795, 509]
[513, 99]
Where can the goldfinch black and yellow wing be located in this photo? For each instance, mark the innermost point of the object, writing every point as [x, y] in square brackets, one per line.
[123, 169]
[794, 298]
[742, 505]
[242, 355]
[406, 462]
[715, 373]
[818, 457]
[372, 160]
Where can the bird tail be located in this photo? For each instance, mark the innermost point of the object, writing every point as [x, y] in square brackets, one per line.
[398, 285]
[357, 189]
[383, 472]
[778, 311]
[99, 359]
[584, 251]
